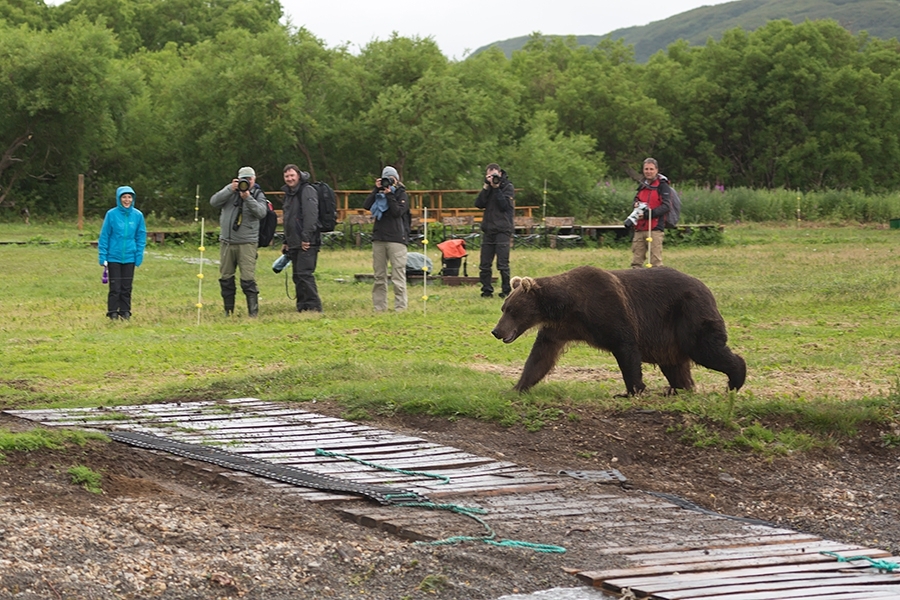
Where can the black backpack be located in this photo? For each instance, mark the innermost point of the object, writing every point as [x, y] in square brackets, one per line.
[267, 226]
[327, 206]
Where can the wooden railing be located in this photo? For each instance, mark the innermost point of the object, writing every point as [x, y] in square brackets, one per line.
[419, 200]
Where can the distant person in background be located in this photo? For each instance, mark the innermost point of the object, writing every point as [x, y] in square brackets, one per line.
[301, 236]
[242, 204]
[389, 206]
[497, 226]
[121, 249]
[651, 200]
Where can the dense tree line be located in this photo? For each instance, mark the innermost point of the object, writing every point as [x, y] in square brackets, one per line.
[168, 95]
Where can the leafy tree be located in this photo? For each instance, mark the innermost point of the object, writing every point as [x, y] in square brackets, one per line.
[57, 103]
[151, 24]
[34, 13]
[567, 163]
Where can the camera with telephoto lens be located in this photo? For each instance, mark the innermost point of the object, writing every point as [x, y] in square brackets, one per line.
[493, 179]
[243, 184]
[636, 214]
[281, 263]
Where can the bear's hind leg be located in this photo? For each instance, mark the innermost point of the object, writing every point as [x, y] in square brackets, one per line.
[544, 354]
[678, 376]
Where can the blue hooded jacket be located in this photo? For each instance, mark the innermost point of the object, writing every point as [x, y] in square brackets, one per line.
[124, 234]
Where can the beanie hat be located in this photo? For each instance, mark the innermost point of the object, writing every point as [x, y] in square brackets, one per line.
[246, 172]
[390, 171]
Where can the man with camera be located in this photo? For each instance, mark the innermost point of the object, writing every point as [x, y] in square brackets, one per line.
[242, 204]
[496, 199]
[389, 205]
[651, 204]
[302, 239]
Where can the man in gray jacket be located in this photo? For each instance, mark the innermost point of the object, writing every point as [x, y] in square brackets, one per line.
[242, 205]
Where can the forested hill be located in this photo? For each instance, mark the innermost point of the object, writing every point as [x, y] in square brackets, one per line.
[880, 18]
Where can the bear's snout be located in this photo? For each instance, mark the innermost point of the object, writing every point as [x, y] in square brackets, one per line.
[507, 338]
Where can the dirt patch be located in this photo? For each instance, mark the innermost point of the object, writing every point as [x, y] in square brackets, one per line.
[165, 528]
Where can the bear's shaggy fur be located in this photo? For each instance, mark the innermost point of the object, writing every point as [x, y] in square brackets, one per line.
[658, 316]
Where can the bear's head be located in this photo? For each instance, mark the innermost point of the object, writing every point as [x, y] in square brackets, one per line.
[530, 303]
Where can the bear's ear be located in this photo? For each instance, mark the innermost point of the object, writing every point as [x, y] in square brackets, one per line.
[526, 283]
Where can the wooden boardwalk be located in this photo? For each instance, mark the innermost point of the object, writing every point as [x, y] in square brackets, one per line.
[659, 550]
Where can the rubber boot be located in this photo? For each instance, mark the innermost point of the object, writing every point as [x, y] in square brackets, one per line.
[228, 292]
[252, 292]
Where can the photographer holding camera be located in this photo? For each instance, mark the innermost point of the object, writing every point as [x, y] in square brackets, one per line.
[653, 197]
[497, 226]
[389, 204]
[242, 205]
[301, 236]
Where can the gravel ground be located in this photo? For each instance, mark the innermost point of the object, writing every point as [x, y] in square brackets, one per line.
[165, 528]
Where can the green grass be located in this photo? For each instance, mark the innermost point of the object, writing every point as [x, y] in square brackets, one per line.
[86, 478]
[44, 439]
[815, 311]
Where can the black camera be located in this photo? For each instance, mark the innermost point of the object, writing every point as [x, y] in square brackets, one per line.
[492, 179]
[243, 184]
[385, 182]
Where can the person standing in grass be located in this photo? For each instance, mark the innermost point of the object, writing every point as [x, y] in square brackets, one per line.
[301, 236]
[654, 193]
[121, 249]
[242, 204]
[389, 205]
[497, 226]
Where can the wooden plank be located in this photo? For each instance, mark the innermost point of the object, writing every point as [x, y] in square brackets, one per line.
[710, 554]
[673, 583]
[732, 540]
[736, 564]
[834, 582]
[812, 593]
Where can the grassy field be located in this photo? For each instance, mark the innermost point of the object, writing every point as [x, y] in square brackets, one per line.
[815, 311]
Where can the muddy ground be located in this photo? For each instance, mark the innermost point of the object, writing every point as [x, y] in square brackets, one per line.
[167, 529]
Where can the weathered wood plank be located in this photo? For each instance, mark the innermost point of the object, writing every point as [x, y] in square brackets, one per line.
[708, 554]
[735, 564]
[820, 581]
[731, 540]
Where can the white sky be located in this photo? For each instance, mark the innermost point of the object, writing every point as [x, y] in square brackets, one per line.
[461, 26]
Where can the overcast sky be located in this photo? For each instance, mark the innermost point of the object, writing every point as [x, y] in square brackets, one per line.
[462, 26]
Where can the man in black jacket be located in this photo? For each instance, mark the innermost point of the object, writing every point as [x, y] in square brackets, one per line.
[389, 205]
[496, 198]
[301, 235]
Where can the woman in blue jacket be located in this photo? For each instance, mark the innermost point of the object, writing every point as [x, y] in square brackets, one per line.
[121, 245]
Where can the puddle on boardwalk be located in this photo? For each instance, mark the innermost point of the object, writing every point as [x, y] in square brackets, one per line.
[577, 593]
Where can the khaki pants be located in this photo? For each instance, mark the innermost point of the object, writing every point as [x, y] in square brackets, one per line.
[639, 249]
[237, 256]
[382, 252]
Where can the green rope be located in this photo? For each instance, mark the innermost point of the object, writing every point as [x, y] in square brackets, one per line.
[489, 538]
[883, 566]
[471, 512]
[319, 452]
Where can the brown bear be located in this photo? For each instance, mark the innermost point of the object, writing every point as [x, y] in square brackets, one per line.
[658, 316]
